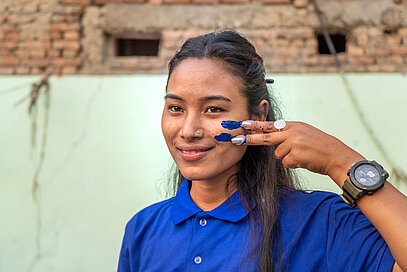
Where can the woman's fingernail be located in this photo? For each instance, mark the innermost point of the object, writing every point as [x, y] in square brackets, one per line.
[246, 124]
[238, 140]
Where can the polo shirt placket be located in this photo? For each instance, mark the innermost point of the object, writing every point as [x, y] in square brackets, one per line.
[208, 228]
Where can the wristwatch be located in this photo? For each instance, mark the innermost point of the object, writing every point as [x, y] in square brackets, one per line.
[365, 177]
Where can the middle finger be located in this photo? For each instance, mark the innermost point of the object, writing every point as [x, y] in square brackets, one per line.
[262, 126]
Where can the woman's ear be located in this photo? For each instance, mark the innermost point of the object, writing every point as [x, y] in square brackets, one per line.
[263, 111]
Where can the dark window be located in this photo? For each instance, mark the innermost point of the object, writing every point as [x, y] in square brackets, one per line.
[390, 31]
[338, 40]
[136, 46]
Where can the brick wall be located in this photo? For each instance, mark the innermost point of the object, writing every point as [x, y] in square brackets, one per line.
[74, 36]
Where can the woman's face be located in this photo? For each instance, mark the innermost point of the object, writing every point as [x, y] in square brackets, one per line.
[200, 95]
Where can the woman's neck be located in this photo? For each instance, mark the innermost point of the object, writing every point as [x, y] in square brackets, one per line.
[209, 194]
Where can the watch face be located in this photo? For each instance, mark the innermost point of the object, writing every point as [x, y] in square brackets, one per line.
[367, 175]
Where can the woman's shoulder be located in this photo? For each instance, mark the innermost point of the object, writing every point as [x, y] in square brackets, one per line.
[310, 200]
[154, 212]
[290, 195]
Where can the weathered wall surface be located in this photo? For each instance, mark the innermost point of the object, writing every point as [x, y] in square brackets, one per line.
[105, 157]
[72, 36]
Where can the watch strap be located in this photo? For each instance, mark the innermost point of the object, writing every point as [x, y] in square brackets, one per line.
[351, 193]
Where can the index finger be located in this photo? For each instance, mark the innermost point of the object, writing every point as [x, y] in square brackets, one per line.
[262, 126]
[259, 139]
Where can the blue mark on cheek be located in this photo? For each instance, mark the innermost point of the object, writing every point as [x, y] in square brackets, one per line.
[223, 137]
[231, 124]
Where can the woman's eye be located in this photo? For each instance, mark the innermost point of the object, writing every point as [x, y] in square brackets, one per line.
[175, 108]
[214, 110]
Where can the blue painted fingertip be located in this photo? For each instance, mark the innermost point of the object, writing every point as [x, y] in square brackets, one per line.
[231, 124]
[223, 137]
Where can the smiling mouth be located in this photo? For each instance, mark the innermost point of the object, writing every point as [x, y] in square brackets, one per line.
[193, 153]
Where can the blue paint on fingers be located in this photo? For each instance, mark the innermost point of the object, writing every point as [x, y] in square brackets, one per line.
[231, 124]
[224, 137]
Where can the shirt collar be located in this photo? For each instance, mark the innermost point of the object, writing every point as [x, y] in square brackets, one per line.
[183, 207]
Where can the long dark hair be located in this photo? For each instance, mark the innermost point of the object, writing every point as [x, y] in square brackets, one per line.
[261, 175]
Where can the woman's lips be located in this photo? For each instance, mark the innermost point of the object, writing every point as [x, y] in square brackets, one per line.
[193, 153]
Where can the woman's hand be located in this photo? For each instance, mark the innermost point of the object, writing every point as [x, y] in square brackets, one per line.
[300, 145]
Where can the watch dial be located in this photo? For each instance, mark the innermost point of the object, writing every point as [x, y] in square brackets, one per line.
[367, 175]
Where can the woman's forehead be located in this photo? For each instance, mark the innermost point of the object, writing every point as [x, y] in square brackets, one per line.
[202, 77]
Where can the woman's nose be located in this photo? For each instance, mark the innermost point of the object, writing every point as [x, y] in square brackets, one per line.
[191, 127]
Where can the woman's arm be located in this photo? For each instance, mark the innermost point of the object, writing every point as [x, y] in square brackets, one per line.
[303, 146]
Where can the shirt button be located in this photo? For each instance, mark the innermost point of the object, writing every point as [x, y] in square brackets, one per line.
[203, 222]
[198, 259]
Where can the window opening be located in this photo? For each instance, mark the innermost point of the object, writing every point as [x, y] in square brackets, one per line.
[134, 46]
[338, 40]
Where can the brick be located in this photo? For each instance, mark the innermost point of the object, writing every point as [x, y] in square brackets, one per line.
[9, 61]
[403, 32]
[72, 18]
[393, 40]
[300, 3]
[76, 2]
[234, 1]
[2, 35]
[13, 37]
[21, 53]
[69, 70]
[276, 1]
[56, 35]
[281, 43]
[35, 44]
[286, 52]
[64, 26]
[69, 53]
[114, 1]
[54, 53]
[4, 52]
[6, 71]
[42, 62]
[373, 68]
[388, 68]
[37, 54]
[300, 33]
[8, 44]
[57, 18]
[205, 1]
[59, 27]
[71, 35]
[355, 50]
[310, 61]
[364, 60]
[399, 51]
[134, 1]
[7, 28]
[46, 37]
[67, 62]
[298, 43]
[22, 70]
[37, 70]
[62, 44]
[100, 2]
[175, 1]
[3, 19]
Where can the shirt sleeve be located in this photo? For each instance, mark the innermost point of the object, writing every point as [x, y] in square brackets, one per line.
[124, 261]
[353, 243]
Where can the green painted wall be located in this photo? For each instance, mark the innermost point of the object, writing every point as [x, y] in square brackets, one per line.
[106, 158]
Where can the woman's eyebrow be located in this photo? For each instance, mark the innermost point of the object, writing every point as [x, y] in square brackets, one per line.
[173, 96]
[215, 97]
[202, 99]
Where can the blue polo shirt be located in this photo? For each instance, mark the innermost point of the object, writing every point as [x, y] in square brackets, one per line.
[319, 232]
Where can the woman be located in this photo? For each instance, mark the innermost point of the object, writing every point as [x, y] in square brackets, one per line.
[236, 206]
